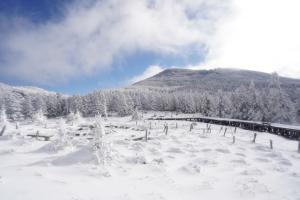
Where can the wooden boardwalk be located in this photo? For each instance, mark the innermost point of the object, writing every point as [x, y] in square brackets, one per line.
[278, 129]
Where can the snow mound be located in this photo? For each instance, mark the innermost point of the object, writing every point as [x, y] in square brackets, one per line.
[84, 155]
[54, 147]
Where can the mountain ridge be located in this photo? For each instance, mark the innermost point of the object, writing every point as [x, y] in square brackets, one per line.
[215, 79]
[169, 75]
[25, 89]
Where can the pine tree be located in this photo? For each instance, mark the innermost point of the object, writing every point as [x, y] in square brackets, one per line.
[27, 108]
[208, 105]
[256, 104]
[280, 108]
[222, 105]
[13, 106]
[3, 117]
[242, 105]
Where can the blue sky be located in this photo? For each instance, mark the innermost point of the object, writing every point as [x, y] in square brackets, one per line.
[122, 68]
[74, 46]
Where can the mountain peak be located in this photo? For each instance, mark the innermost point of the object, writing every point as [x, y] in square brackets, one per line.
[214, 79]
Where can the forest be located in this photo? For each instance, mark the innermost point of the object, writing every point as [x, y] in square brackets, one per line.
[271, 104]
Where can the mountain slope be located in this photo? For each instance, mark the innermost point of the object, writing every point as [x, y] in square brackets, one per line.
[221, 78]
[224, 79]
[4, 88]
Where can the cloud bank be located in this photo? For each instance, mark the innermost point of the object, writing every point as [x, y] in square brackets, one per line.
[260, 35]
[92, 35]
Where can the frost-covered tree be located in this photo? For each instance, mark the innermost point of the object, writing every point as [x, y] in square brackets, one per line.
[27, 108]
[39, 117]
[256, 103]
[13, 106]
[183, 103]
[242, 105]
[38, 104]
[120, 104]
[52, 105]
[136, 115]
[3, 117]
[94, 104]
[279, 107]
[208, 104]
[102, 147]
[222, 104]
[62, 131]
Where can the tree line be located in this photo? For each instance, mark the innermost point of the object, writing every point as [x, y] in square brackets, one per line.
[270, 104]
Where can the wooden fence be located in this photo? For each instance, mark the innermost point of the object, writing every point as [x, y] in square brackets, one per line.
[285, 131]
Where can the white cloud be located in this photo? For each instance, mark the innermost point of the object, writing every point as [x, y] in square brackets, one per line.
[93, 35]
[149, 72]
[260, 35]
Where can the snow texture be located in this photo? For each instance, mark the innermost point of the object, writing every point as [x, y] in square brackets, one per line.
[98, 159]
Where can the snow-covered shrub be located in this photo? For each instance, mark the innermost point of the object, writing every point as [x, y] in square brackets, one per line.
[3, 117]
[39, 117]
[61, 142]
[74, 118]
[105, 113]
[62, 131]
[101, 147]
[136, 115]
[99, 131]
[3, 122]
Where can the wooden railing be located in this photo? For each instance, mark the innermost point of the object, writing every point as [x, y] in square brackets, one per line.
[281, 130]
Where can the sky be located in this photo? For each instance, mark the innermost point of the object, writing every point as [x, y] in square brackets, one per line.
[74, 46]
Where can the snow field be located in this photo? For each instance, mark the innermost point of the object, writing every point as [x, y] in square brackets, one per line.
[181, 165]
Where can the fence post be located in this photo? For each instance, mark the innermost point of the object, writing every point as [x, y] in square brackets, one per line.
[209, 129]
[221, 129]
[166, 129]
[235, 129]
[233, 139]
[3, 130]
[271, 144]
[299, 146]
[176, 125]
[191, 127]
[37, 135]
[254, 137]
[146, 135]
[225, 132]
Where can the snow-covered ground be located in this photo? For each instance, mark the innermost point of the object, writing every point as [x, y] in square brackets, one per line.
[181, 165]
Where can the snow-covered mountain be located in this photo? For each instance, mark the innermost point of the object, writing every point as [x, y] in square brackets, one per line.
[215, 79]
[4, 88]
